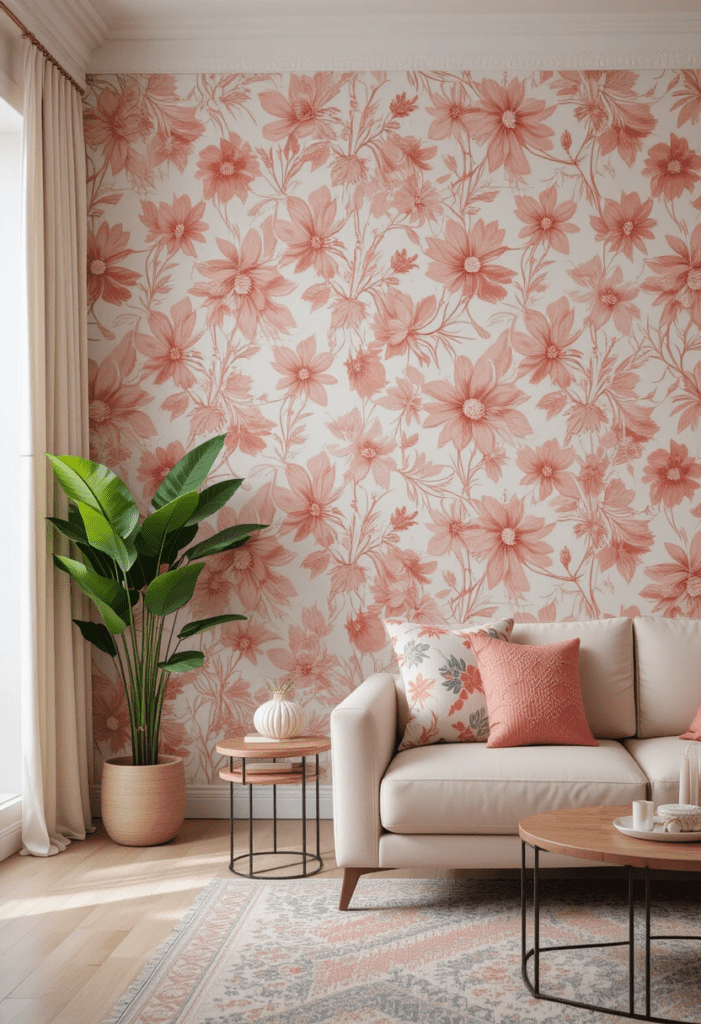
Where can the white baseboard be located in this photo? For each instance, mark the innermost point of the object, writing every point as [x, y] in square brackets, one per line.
[10, 827]
[213, 802]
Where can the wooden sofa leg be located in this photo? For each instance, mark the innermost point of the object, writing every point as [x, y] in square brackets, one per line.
[350, 880]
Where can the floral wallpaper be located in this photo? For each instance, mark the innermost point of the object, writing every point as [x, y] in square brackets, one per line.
[451, 326]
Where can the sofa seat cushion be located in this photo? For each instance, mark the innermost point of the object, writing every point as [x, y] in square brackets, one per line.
[469, 788]
[660, 759]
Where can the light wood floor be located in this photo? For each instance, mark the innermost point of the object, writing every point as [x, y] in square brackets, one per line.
[76, 929]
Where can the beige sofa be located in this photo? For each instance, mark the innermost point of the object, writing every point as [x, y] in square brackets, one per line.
[458, 805]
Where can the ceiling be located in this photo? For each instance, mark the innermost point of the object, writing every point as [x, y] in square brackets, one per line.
[121, 15]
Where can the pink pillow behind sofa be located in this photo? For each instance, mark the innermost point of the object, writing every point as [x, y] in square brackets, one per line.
[694, 730]
[533, 693]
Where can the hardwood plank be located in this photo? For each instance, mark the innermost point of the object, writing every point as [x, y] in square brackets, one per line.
[43, 1009]
[38, 944]
[72, 954]
[99, 944]
[54, 987]
[98, 995]
[11, 1008]
[9, 980]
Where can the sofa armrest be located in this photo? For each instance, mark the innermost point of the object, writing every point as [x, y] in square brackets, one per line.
[363, 740]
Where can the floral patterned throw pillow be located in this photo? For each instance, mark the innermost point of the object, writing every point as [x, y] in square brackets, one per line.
[441, 680]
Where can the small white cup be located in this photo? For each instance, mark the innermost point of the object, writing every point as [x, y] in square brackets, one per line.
[643, 815]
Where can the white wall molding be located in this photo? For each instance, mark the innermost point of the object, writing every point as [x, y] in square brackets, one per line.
[10, 827]
[213, 802]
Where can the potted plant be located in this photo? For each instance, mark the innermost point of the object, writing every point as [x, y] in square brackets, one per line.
[139, 574]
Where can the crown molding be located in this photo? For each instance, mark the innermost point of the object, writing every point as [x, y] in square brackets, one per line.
[152, 60]
[69, 29]
[128, 36]
[248, 40]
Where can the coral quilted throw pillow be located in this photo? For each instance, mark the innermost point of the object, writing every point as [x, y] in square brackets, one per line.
[533, 694]
[441, 680]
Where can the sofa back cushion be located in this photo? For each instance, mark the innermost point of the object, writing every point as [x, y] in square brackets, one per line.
[606, 670]
[668, 655]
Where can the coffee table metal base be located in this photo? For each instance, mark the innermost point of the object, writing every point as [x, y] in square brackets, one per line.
[534, 953]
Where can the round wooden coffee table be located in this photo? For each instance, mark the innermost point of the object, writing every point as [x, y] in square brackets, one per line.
[247, 771]
[588, 832]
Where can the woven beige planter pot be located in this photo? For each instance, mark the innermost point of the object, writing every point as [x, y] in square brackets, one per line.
[143, 805]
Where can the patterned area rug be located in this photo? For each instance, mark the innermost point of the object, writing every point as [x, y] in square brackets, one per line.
[444, 952]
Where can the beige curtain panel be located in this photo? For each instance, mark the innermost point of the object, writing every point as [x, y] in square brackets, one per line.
[56, 704]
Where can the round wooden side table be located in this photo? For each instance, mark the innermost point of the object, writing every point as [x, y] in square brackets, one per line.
[244, 773]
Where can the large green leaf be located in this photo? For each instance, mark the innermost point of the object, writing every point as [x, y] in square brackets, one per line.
[213, 498]
[144, 569]
[97, 486]
[168, 519]
[231, 537]
[99, 562]
[98, 635]
[171, 590]
[69, 529]
[192, 628]
[175, 542]
[110, 597]
[74, 516]
[183, 661]
[190, 472]
[74, 529]
[103, 536]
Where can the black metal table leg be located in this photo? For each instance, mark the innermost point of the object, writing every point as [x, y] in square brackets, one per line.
[536, 921]
[317, 807]
[231, 817]
[250, 828]
[524, 966]
[647, 940]
[631, 940]
[304, 815]
[538, 949]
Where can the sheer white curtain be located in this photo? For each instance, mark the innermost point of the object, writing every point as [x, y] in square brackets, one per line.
[56, 691]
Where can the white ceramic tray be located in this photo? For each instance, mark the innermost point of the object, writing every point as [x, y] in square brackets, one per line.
[625, 825]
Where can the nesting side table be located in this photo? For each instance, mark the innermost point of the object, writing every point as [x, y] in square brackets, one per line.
[244, 773]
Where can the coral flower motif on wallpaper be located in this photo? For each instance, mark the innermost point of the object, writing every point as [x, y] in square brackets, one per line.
[451, 326]
[177, 225]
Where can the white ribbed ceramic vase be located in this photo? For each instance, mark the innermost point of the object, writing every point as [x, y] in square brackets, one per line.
[279, 718]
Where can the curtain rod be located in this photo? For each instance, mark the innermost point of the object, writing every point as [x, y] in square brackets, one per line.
[26, 34]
